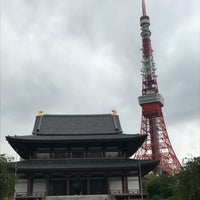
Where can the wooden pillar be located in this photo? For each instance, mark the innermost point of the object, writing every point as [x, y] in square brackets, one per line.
[88, 185]
[68, 179]
[47, 185]
[125, 183]
[30, 186]
[108, 184]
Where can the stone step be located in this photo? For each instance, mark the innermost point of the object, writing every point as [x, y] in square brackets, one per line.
[80, 197]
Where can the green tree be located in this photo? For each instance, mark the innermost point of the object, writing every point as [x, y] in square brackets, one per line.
[7, 177]
[160, 187]
[189, 181]
[183, 186]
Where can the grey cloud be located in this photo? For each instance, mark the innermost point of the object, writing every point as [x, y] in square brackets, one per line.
[84, 57]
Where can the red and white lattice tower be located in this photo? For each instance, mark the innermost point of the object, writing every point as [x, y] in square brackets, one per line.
[157, 145]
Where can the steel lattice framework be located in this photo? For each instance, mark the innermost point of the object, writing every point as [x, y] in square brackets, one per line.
[157, 145]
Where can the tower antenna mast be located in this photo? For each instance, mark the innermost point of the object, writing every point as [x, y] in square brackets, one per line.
[143, 8]
[157, 146]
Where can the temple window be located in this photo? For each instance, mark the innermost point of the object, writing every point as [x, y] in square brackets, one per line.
[77, 154]
[42, 155]
[116, 185]
[133, 184]
[94, 154]
[112, 154]
[21, 187]
[59, 154]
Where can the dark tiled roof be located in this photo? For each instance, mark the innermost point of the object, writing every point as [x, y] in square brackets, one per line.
[24, 145]
[86, 165]
[77, 124]
[71, 138]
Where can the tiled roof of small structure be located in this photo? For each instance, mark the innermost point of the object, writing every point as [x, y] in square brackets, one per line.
[77, 124]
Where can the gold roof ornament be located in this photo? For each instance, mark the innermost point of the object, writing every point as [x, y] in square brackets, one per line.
[114, 112]
[40, 113]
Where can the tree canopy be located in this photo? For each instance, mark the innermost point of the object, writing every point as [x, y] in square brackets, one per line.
[189, 181]
[160, 187]
[7, 177]
[185, 185]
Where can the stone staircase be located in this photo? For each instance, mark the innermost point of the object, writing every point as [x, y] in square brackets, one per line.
[80, 197]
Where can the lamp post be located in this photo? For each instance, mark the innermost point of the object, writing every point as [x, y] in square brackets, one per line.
[140, 178]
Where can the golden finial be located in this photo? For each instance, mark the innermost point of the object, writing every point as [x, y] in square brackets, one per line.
[114, 112]
[40, 113]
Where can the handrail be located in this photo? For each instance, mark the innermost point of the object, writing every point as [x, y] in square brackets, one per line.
[131, 191]
[35, 194]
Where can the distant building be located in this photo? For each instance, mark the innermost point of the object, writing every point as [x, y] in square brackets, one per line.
[70, 155]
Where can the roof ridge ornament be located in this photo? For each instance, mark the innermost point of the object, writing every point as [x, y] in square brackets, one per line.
[114, 119]
[40, 113]
[114, 112]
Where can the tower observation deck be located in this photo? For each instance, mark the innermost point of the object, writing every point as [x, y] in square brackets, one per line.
[157, 145]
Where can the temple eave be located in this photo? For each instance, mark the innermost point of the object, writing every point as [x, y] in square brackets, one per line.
[75, 165]
[22, 143]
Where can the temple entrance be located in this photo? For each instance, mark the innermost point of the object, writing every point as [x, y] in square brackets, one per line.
[58, 187]
[78, 187]
[98, 185]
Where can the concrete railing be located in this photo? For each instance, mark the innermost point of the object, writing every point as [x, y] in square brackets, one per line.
[80, 197]
[33, 195]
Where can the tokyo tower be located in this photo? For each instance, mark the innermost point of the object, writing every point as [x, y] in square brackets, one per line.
[157, 146]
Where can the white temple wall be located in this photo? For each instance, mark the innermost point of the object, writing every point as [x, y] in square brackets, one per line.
[39, 186]
[116, 184]
[21, 186]
[133, 183]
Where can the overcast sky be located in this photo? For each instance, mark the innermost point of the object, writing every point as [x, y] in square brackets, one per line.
[83, 57]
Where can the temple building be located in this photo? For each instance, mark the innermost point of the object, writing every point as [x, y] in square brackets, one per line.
[77, 155]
